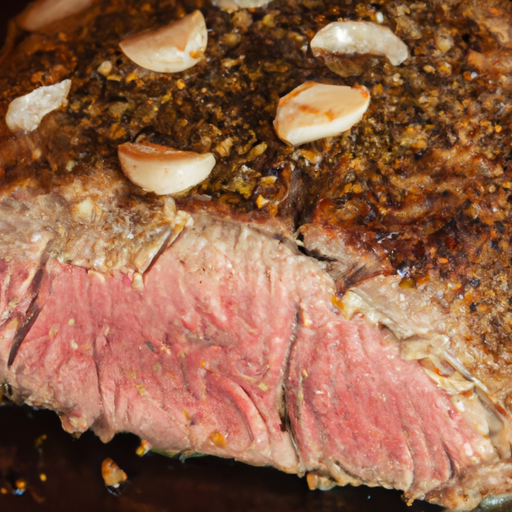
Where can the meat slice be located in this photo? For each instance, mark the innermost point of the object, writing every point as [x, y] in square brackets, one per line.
[192, 361]
[234, 346]
[359, 410]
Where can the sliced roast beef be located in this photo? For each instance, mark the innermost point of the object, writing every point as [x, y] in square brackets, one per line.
[339, 309]
[232, 346]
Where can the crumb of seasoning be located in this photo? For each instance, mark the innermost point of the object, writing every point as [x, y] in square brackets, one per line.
[336, 301]
[105, 68]
[131, 77]
[261, 201]
[143, 448]
[21, 485]
[138, 281]
[40, 440]
[218, 439]
[112, 474]
[43, 477]
[263, 386]
[407, 283]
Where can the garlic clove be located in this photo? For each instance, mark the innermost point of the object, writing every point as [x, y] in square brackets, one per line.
[164, 170]
[169, 49]
[346, 37]
[26, 112]
[233, 5]
[43, 12]
[314, 111]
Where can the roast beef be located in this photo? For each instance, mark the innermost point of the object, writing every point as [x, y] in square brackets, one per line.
[339, 309]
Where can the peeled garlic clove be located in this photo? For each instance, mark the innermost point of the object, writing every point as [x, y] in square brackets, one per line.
[233, 5]
[26, 112]
[314, 111]
[43, 12]
[164, 170]
[170, 49]
[359, 37]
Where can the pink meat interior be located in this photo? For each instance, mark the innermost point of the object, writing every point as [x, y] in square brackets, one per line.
[233, 348]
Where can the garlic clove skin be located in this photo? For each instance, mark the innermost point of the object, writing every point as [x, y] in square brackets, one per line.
[314, 111]
[26, 112]
[43, 12]
[348, 37]
[164, 170]
[170, 49]
[233, 5]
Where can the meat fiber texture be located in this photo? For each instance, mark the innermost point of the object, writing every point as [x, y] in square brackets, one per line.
[340, 310]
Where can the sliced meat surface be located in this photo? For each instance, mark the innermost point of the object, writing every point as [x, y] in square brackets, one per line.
[233, 346]
[357, 407]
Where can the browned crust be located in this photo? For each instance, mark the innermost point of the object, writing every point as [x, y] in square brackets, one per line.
[13, 33]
